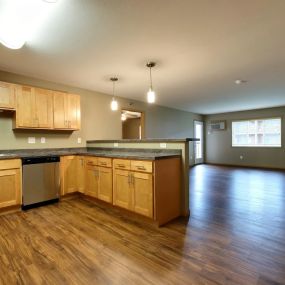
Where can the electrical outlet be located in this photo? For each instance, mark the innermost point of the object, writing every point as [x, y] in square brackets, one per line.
[43, 140]
[116, 144]
[31, 140]
[162, 145]
[79, 140]
[241, 157]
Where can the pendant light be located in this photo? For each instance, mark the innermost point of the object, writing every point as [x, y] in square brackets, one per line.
[150, 93]
[114, 102]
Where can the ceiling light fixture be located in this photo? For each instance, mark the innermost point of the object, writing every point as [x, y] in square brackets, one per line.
[150, 93]
[114, 102]
[20, 19]
[123, 117]
[240, 81]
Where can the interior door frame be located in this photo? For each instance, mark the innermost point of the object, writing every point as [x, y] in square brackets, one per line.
[142, 120]
[199, 160]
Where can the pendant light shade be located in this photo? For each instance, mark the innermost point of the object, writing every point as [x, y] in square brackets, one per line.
[150, 94]
[114, 105]
[114, 102]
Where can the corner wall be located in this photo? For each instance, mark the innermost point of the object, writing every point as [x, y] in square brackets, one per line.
[219, 148]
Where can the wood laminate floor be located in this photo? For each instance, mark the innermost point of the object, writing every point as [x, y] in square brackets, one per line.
[236, 235]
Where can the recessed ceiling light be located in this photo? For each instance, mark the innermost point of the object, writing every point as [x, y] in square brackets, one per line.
[240, 81]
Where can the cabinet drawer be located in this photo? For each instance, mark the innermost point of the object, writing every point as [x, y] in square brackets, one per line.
[143, 166]
[122, 164]
[103, 161]
[10, 164]
[92, 161]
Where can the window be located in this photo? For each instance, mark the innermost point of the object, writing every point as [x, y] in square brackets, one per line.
[256, 133]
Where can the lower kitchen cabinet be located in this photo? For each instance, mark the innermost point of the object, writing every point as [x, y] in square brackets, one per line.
[149, 188]
[99, 178]
[105, 187]
[142, 188]
[69, 178]
[91, 181]
[133, 191]
[10, 183]
[122, 191]
[81, 174]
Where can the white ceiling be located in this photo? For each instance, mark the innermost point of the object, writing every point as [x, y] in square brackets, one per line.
[200, 46]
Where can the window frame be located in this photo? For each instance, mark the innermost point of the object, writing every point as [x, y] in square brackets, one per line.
[258, 146]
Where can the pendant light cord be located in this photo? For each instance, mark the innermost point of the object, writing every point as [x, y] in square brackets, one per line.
[150, 77]
[113, 89]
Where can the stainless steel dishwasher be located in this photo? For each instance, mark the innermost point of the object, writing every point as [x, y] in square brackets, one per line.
[41, 181]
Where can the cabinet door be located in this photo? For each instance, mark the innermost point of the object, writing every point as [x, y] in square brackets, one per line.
[44, 108]
[10, 188]
[143, 193]
[69, 169]
[122, 192]
[7, 96]
[73, 111]
[105, 190]
[81, 173]
[25, 115]
[59, 110]
[92, 176]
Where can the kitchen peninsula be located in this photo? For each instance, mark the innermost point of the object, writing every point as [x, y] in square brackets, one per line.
[146, 177]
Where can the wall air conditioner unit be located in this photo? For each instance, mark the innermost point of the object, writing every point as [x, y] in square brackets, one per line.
[217, 125]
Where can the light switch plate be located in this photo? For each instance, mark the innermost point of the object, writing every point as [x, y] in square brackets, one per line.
[31, 140]
[116, 144]
[162, 145]
[79, 140]
[43, 140]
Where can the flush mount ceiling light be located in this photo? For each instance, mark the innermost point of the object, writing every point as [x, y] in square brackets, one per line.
[150, 93]
[19, 19]
[114, 102]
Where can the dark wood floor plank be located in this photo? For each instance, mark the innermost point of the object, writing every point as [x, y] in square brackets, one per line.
[235, 236]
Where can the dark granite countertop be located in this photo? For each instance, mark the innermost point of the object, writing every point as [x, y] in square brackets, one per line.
[145, 140]
[141, 154]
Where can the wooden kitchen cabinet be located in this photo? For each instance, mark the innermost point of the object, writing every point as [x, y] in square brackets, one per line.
[7, 96]
[43, 108]
[142, 188]
[81, 174]
[149, 188]
[10, 183]
[34, 108]
[67, 114]
[122, 191]
[68, 169]
[99, 177]
[92, 178]
[25, 114]
[105, 187]
[133, 191]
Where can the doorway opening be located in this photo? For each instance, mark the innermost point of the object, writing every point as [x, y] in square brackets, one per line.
[199, 145]
[132, 124]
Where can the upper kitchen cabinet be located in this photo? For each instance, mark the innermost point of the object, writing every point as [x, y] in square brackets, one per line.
[34, 108]
[7, 96]
[67, 114]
